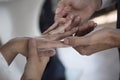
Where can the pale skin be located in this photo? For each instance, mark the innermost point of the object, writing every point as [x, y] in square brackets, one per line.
[82, 8]
[106, 38]
[36, 63]
[48, 40]
[37, 50]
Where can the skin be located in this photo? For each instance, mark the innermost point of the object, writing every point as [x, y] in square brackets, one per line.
[82, 8]
[48, 40]
[36, 63]
[37, 50]
[104, 39]
[86, 44]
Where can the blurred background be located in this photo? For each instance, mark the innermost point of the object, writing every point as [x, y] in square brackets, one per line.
[20, 18]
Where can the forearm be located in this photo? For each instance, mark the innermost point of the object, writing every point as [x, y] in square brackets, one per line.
[117, 38]
[8, 52]
[13, 47]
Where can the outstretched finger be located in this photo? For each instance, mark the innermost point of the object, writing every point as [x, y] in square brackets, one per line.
[61, 29]
[51, 44]
[66, 34]
[51, 28]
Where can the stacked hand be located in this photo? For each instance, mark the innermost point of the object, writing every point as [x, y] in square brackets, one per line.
[97, 41]
[36, 62]
[39, 49]
[86, 44]
[82, 8]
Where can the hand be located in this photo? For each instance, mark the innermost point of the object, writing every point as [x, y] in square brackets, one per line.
[98, 41]
[19, 45]
[82, 8]
[36, 63]
[58, 31]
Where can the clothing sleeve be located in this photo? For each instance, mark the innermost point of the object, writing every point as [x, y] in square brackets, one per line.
[106, 3]
[5, 73]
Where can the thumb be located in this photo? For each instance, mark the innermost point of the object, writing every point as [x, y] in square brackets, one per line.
[32, 49]
[76, 41]
[60, 7]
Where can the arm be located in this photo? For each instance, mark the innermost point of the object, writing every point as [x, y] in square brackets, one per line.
[8, 51]
[19, 44]
[104, 39]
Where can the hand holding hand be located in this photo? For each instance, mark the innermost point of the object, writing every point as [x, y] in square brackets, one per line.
[58, 30]
[36, 62]
[82, 8]
[98, 41]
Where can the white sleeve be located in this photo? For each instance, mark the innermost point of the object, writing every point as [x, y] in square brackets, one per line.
[106, 3]
[5, 73]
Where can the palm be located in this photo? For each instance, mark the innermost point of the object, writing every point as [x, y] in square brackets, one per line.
[82, 8]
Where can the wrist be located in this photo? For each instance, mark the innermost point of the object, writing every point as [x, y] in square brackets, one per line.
[113, 37]
[8, 51]
[117, 37]
[21, 45]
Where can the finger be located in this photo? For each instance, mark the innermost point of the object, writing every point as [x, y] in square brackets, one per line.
[61, 18]
[76, 21]
[46, 52]
[51, 44]
[61, 12]
[77, 41]
[61, 29]
[60, 7]
[32, 49]
[86, 28]
[51, 28]
[66, 34]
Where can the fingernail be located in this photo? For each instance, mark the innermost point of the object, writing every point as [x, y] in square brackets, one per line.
[66, 41]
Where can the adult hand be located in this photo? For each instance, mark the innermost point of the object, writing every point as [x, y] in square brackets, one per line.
[82, 8]
[98, 41]
[20, 44]
[36, 63]
[58, 31]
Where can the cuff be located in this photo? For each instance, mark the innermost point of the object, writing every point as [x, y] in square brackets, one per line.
[105, 3]
[2, 60]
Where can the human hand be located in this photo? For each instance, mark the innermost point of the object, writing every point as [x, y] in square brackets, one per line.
[98, 41]
[20, 44]
[82, 8]
[58, 31]
[36, 62]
